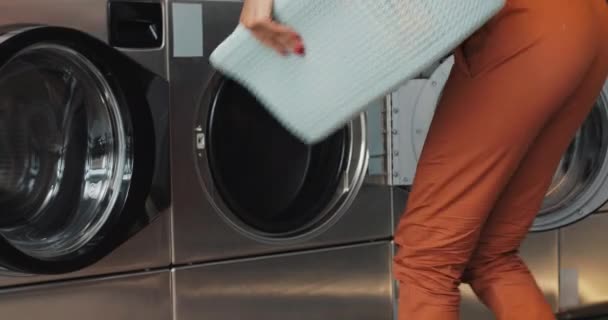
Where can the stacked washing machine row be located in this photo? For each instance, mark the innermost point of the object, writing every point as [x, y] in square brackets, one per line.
[96, 95]
[268, 228]
[84, 160]
[265, 225]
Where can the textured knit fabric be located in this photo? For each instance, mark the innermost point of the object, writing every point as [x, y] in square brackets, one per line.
[521, 88]
[356, 51]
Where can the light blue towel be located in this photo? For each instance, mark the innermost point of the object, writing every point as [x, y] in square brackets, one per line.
[356, 52]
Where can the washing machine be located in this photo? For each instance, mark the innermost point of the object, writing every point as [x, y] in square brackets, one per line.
[84, 165]
[580, 184]
[266, 227]
[243, 186]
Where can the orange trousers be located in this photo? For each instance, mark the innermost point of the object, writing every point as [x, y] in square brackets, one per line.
[521, 87]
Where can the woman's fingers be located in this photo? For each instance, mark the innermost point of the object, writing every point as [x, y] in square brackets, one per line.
[277, 36]
[288, 37]
[257, 17]
[270, 42]
[291, 41]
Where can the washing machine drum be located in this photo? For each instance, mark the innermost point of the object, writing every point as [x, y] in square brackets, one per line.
[270, 181]
[62, 152]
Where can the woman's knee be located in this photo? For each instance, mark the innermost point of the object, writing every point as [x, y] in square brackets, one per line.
[493, 266]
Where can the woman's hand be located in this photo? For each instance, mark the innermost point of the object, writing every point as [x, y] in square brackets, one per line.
[257, 17]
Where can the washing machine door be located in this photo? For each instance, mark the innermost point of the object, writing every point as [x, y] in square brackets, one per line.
[263, 180]
[580, 184]
[67, 153]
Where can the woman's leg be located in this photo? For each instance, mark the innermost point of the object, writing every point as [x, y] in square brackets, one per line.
[496, 273]
[496, 104]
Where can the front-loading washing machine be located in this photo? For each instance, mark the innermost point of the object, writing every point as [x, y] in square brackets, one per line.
[84, 170]
[266, 227]
[580, 184]
[242, 184]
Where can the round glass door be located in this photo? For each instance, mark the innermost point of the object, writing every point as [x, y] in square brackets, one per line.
[265, 180]
[65, 155]
[580, 184]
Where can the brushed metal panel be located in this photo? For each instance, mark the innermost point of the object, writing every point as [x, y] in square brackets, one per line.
[342, 283]
[540, 252]
[90, 16]
[591, 312]
[150, 248]
[197, 225]
[133, 297]
[84, 15]
[583, 261]
[400, 197]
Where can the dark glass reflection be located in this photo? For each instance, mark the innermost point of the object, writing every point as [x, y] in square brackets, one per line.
[270, 180]
[579, 165]
[63, 151]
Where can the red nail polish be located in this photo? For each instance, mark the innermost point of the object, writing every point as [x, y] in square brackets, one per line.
[299, 49]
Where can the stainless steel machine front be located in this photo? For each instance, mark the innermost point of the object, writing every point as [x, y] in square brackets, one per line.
[143, 296]
[242, 184]
[84, 108]
[352, 282]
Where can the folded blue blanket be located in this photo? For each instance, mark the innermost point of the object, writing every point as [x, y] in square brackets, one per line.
[356, 52]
